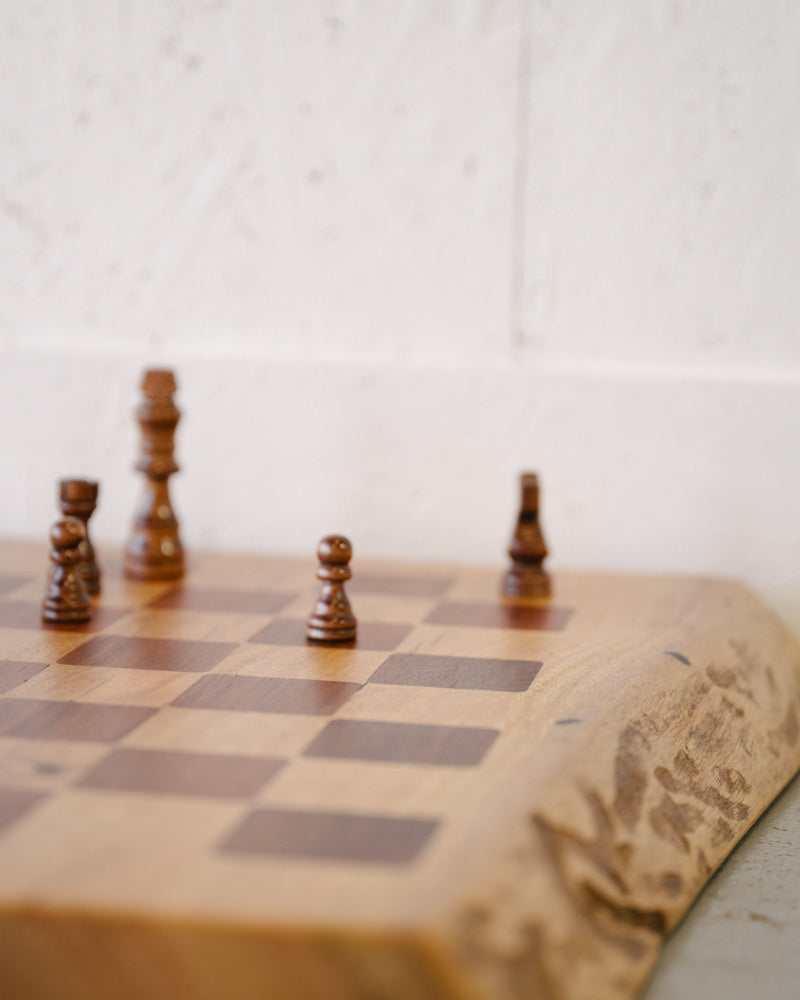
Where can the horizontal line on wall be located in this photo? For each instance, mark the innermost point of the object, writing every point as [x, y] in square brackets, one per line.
[555, 368]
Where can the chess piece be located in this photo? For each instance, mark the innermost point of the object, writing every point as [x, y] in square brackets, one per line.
[78, 498]
[67, 600]
[527, 577]
[154, 550]
[332, 619]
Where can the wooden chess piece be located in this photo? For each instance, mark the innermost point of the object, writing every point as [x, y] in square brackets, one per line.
[527, 577]
[67, 600]
[332, 619]
[78, 498]
[154, 550]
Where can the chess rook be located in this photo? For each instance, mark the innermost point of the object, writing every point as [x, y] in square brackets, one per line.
[154, 550]
[78, 498]
[527, 577]
[67, 600]
[332, 619]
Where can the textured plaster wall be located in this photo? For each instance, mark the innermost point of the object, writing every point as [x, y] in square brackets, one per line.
[397, 253]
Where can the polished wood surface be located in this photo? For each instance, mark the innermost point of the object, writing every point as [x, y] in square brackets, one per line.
[473, 799]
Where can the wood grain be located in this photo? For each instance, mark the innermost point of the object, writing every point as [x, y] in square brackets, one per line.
[371, 635]
[469, 673]
[13, 673]
[15, 802]
[230, 776]
[287, 695]
[37, 719]
[27, 614]
[331, 836]
[259, 602]
[148, 654]
[402, 742]
[497, 615]
[476, 811]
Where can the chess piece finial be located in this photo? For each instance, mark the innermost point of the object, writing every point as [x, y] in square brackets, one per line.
[332, 619]
[67, 600]
[154, 550]
[527, 576]
[78, 498]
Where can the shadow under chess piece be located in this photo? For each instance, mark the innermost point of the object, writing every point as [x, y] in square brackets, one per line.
[78, 498]
[527, 576]
[154, 550]
[67, 600]
[332, 619]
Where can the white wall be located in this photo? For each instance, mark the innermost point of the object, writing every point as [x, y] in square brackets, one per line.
[399, 252]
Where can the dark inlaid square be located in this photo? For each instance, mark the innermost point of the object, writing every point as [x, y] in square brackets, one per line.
[16, 672]
[135, 653]
[9, 583]
[180, 773]
[16, 802]
[377, 636]
[28, 614]
[285, 695]
[500, 615]
[68, 720]
[402, 743]
[457, 672]
[245, 602]
[386, 840]
[402, 586]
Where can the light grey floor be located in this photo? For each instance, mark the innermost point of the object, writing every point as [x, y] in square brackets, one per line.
[741, 939]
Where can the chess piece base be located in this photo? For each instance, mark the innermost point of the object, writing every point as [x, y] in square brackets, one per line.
[526, 583]
[137, 569]
[318, 630]
[154, 555]
[59, 615]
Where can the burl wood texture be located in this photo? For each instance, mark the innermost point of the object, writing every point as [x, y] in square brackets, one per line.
[471, 801]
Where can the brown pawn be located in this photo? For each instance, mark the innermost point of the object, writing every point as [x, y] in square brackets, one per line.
[332, 619]
[67, 600]
[527, 577]
[154, 550]
[78, 498]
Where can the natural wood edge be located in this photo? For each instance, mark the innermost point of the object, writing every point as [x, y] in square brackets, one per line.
[613, 850]
[129, 957]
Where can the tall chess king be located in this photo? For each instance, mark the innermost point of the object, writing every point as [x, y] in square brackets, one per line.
[154, 550]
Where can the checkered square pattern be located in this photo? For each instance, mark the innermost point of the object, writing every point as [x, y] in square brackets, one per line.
[28, 614]
[186, 779]
[371, 635]
[14, 672]
[15, 803]
[264, 705]
[170, 772]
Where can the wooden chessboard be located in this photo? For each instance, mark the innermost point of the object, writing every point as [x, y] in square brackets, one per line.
[476, 800]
